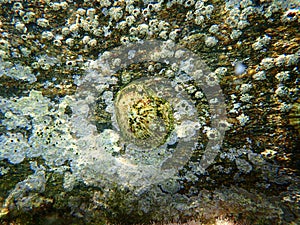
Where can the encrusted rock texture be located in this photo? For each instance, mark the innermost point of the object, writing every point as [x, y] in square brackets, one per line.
[63, 159]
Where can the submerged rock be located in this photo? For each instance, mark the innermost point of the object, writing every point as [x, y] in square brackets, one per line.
[149, 111]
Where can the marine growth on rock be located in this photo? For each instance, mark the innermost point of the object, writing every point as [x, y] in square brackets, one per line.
[137, 111]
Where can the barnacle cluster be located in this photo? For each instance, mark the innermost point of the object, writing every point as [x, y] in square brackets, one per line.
[150, 111]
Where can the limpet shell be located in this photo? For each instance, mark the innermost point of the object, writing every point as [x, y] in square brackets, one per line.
[143, 117]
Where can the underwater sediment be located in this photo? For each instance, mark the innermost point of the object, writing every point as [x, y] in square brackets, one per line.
[128, 112]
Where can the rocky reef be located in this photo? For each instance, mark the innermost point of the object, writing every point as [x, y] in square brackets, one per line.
[135, 112]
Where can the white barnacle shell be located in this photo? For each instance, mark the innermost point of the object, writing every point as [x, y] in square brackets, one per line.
[261, 75]
[211, 41]
[116, 13]
[42, 22]
[212, 79]
[283, 76]
[243, 119]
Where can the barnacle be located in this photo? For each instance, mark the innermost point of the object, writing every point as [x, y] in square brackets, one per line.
[138, 131]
